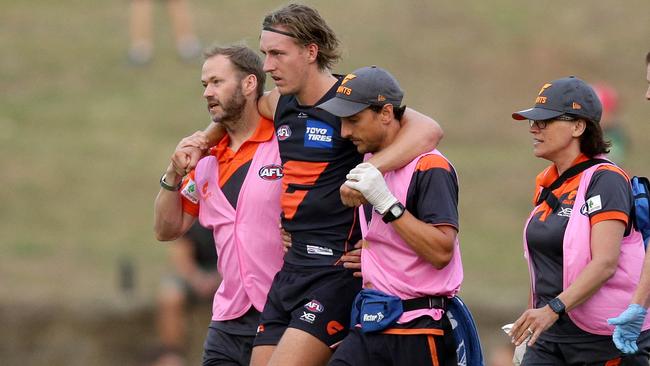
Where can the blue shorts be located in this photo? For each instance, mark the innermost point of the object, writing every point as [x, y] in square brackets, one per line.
[317, 300]
[422, 341]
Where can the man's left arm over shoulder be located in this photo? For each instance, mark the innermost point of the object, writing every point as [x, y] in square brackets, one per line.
[419, 134]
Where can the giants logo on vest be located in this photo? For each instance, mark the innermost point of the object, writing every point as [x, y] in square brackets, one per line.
[270, 172]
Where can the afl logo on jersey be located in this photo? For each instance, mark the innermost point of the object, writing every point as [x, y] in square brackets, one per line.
[283, 132]
[270, 172]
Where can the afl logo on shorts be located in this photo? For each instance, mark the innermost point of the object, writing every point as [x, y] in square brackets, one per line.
[283, 132]
[270, 172]
[314, 306]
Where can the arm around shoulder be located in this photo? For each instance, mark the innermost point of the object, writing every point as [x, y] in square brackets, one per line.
[419, 134]
[214, 133]
[268, 102]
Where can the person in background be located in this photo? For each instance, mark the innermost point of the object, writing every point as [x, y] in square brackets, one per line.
[141, 31]
[613, 129]
[583, 255]
[630, 322]
[195, 279]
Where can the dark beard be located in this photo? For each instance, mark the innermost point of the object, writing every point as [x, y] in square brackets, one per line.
[233, 108]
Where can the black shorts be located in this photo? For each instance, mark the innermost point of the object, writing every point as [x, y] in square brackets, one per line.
[422, 341]
[595, 353]
[317, 300]
[221, 348]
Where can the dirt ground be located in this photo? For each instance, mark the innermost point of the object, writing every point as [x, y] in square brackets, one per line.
[124, 335]
[44, 336]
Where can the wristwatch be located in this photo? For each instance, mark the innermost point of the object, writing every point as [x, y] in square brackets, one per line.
[557, 306]
[168, 187]
[394, 212]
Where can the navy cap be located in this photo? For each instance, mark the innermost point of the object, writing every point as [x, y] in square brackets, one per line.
[569, 95]
[362, 88]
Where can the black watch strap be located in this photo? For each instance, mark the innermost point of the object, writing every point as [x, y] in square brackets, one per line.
[394, 212]
[557, 306]
[166, 186]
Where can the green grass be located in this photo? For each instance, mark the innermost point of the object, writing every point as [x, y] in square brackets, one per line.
[84, 137]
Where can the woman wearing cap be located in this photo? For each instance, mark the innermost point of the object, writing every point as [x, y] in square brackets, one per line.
[583, 257]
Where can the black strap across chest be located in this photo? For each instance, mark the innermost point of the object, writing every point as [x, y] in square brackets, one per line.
[547, 192]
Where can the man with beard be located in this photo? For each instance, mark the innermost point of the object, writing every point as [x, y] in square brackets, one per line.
[235, 191]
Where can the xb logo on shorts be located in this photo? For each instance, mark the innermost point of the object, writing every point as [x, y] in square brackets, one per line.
[308, 317]
[373, 317]
[314, 306]
[270, 172]
[283, 132]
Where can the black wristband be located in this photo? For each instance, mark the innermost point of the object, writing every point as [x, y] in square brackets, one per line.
[394, 212]
[557, 306]
[166, 186]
